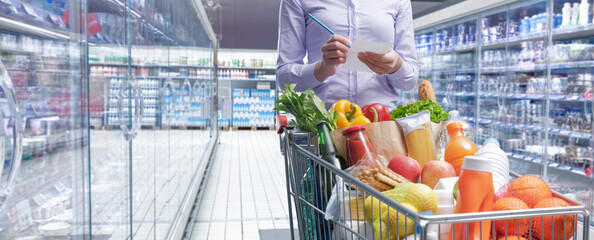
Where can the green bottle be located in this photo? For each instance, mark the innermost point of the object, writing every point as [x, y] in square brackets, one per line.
[326, 146]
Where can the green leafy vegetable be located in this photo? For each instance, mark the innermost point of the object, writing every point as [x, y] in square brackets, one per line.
[437, 112]
[307, 108]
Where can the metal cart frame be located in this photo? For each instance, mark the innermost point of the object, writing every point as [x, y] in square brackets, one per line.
[307, 174]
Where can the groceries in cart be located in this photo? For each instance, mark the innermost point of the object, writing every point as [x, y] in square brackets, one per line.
[390, 169]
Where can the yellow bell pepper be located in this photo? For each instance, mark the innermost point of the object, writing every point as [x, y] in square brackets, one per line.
[360, 120]
[349, 114]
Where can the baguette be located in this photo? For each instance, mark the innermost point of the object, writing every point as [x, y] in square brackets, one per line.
[426, 91]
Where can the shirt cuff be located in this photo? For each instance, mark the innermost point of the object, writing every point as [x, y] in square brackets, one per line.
[307, 74]
[402, 78]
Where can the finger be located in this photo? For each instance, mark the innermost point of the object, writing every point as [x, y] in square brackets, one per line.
[333, 54]
[338, 38]
[369, 59]
[336, 61]
[385, 67]
[335, 46]
[386, 57]
[373, 67]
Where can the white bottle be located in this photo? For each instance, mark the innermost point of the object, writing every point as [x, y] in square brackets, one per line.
[584, 12]
[575, 13]
[499, 162]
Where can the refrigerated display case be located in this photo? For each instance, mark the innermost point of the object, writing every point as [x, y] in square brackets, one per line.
[158, 95]
[517, 78]
[87, 149]
[248, 88]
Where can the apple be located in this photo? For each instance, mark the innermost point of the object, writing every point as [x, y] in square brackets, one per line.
[406, 167]
[435, 170]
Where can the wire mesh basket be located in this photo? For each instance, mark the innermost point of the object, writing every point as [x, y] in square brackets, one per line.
[365, 213]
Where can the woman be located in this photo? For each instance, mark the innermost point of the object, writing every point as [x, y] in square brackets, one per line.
[378, 21]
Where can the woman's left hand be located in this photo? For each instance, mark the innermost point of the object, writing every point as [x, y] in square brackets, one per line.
[381, 64]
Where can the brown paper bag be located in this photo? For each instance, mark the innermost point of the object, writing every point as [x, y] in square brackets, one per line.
[386, 138]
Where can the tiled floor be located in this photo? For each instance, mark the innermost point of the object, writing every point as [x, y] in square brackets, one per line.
[246, 190]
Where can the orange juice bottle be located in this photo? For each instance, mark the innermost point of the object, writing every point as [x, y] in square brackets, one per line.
[458, 147]
[476, 195]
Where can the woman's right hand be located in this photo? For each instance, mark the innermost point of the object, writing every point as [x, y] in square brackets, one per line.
[334, 53]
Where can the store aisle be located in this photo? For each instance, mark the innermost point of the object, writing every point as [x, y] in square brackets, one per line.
[245, 192]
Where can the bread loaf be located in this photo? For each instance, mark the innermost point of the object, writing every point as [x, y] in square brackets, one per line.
[426, 91]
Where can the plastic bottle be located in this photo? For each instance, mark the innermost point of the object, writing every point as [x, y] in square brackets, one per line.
[575, 13]
[525, 26]
[584, 12]
[476, 195]
[443, 133]
[499, 162]
[458, 147]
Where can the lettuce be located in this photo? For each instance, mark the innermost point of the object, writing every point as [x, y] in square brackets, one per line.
[437, 112]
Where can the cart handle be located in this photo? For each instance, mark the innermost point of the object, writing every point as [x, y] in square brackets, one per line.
[282, 123]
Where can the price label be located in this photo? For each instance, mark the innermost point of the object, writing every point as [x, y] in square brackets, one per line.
[573, 98]
[14, 220]
[564, 132]
[20, 216]
[59, 186]
[39, 199]
[29, 10]
[24, 214]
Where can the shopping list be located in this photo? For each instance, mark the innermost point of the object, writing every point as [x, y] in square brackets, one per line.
[359, 45]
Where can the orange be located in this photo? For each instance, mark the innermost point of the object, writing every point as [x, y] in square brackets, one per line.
[557, 222]
[511, 203]
[529, 189]
[512, 238]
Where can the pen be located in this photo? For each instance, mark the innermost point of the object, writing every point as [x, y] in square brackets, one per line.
[321, 24]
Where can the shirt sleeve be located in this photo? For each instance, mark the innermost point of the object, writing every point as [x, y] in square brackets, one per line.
[404, 44]
[290, 67]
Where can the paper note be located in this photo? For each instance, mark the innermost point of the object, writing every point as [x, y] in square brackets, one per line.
[359, 45]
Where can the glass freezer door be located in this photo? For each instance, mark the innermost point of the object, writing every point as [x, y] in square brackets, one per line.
[43, 131]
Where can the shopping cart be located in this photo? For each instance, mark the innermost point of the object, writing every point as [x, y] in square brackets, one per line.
[307, 189]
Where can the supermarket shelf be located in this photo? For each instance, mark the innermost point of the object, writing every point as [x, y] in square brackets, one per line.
[535, 128]
[159, 77]
[454, 94]
[520, 68]
[246, 80]
[558, 34]
[20, 26]
[573, 32]
[148, 65]
[248, 68]
[538, 161]
[538, 67]
[536, 96]
[461, 48]
[456, 71]
[573, 65]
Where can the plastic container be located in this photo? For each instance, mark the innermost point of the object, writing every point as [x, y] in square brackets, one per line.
[358, 145]
[476, 195]
[458, 147]
[444, 138]
[56, 231]
[584, 12]
[499, 162]
[575, 13]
